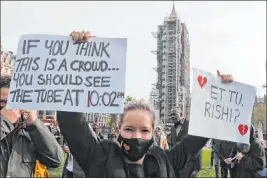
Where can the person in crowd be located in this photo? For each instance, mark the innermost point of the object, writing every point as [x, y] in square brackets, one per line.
[216, 160]
[24, 140]
[135, 156]
[223, 149]
[161, 139]
[99, 135]
[211, 155]
[246, 159]
[112, 135]
[71, 167]
[178, 132]
[180, 128]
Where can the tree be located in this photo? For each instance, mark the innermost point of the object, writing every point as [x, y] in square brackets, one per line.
[129, 99]
[112, 122]
[259, 115]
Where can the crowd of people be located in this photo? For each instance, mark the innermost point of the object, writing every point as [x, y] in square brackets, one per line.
[239, 160]
[137, 148]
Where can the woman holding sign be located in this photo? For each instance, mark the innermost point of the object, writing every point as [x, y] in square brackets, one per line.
[134, 156]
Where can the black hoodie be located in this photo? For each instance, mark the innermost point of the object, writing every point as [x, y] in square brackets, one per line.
[253, 161]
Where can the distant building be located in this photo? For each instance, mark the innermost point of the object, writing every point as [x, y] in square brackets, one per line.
[7, 62]
[99, 119]
[173, 66]
[154, 103]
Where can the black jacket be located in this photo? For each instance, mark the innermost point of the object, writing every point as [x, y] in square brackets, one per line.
[194, 164]
[35, 142]
[253, 161]
[182, 133]
[77, 170]
[105, 158]
[194, 161]
[223, 148]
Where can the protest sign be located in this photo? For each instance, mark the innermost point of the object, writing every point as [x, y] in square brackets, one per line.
[220, 110]
[54, 73]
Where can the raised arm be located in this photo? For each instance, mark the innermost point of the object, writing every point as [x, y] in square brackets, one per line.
[180, 153]
[80, 137]
[49, 152]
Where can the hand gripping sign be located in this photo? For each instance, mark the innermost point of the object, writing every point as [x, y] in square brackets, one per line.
[220, 110]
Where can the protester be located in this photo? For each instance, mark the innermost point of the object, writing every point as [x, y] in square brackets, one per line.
[249, 158]
[24, 140]
[135, 156]
[99, 135]
[112, 135]
[180, 128]
[211, 158]
[178, 132]
[215, 158]
[223, 149]
[160, 139]
[71, 167]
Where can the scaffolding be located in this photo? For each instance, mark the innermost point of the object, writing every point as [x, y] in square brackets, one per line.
[173, 85]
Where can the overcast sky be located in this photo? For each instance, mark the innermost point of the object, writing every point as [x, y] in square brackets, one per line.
[229, 36]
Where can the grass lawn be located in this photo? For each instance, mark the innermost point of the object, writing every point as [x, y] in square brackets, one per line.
[206, 172]
[57, 172]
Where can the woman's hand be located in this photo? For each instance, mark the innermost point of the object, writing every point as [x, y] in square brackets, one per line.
[225, 78]
[80, 36]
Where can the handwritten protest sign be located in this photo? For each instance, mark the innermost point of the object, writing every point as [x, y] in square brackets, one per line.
[220, 110]
[54, 73]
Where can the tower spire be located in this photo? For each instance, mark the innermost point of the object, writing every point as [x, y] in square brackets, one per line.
[173, 12]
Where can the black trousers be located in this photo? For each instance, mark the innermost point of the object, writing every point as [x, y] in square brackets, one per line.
[211, 158]
[67, 174]
[224, 170]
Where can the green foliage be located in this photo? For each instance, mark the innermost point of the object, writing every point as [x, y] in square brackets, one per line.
[259, 115]
[110, 124]
[129, 99]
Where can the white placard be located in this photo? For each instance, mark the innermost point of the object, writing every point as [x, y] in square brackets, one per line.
[54, 73]
[220, 110]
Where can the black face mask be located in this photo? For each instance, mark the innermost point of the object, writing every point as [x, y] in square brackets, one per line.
[1, 107]
[134, 149]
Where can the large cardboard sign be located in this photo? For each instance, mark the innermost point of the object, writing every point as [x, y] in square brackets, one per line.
[220, 110]
[54, 73]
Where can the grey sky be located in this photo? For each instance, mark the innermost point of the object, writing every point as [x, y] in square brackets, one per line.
[229, 36]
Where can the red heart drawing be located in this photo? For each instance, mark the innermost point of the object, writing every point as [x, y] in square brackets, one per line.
[243, 129]
[202, 81]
